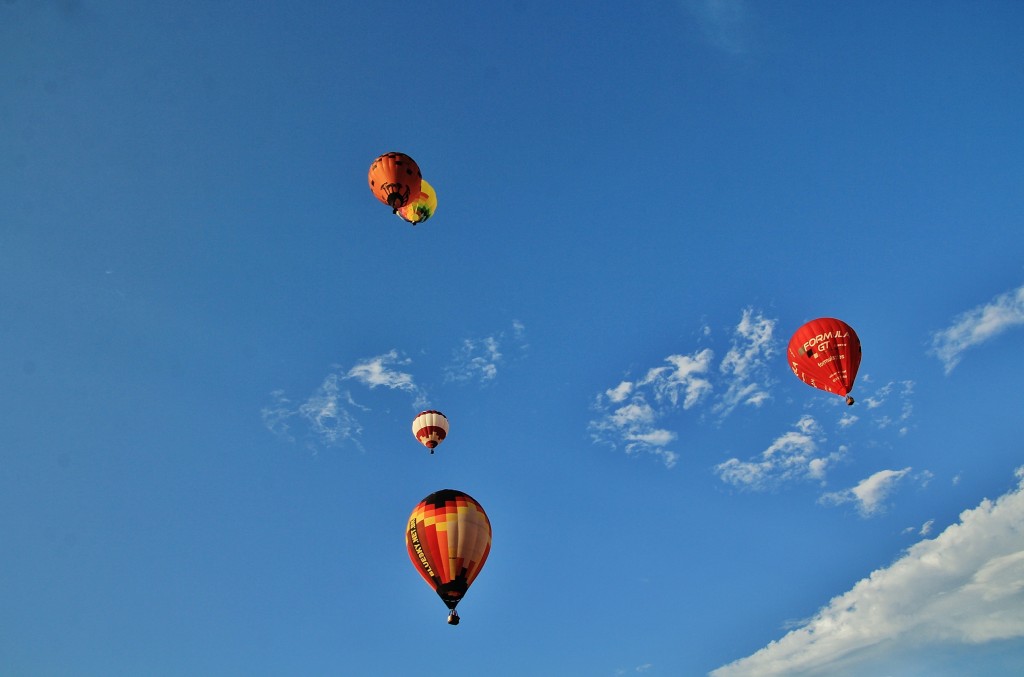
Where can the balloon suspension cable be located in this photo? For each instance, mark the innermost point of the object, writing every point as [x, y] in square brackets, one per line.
[453, 617]
[849, 400]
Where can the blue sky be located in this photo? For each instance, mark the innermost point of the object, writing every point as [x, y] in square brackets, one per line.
[215, 339]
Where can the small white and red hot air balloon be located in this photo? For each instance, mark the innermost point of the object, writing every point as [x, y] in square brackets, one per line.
[430, 428]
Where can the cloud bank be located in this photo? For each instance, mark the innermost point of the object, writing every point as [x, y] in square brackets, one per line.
[964, 587]
[977, 326]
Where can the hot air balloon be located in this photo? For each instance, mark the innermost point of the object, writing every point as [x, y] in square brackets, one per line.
[395, 178]
[430, 428]
[448, 538]
[422, 207]
[825, 353]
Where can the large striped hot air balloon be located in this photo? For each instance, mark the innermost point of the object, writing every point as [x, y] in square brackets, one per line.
[395, 179]
[825, 354]
[448, 538]
[430, 428]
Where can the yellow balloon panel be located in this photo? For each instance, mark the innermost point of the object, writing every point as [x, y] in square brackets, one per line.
[421, 207]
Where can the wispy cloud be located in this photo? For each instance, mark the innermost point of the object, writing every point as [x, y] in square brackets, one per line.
[794, 455]
[887, 406]
[478, 359]
[745, 366]
[330, 416]
[869, 494]
[326, 415]
[630, 421]
[897, 407]
[966, 586]
[632, 411]
[722, 22]
[277, 414]
[977, 326]
[632, 425]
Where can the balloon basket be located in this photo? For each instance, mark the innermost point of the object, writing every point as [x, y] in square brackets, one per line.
[453, 618]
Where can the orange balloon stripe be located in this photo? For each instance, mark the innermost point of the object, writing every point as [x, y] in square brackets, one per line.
[418, 555]
[434, 547]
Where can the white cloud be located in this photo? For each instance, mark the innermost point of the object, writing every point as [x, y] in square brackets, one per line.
[654, 438]
[669, 458]
[633, 415]
[978, 325]
[620, 392]
[964, 587]
[793, 455]
[376, 371]
[870, 493]
[684, 377]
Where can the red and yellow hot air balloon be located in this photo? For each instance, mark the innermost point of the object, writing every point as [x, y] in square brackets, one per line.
[448, 538]
[825, 353]
[430, 428]
[395, 179]
[422, 207]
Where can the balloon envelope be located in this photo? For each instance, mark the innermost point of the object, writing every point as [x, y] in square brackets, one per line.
[825, 353]
[394, 179]
[422, 207]
[448, 538]
[430, 428]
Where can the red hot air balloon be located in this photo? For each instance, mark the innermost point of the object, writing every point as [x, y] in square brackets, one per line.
[430, 428]
[448, 538]
[394, 179]
[825, 353]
